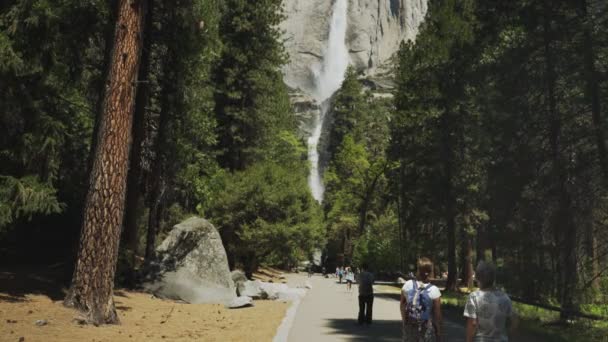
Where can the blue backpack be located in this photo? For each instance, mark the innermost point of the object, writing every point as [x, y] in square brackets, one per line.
[419, 304]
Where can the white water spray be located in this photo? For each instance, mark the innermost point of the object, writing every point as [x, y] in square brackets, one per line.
[328, 78]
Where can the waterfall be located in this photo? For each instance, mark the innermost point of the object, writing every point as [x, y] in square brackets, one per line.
[328, 77]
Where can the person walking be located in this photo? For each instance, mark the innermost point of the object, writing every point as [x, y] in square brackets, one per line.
[340, 274]
[366, 295]
[421, 306]
[350, 278]
[489, 310]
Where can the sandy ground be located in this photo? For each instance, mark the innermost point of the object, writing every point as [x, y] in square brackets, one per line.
[143, 318]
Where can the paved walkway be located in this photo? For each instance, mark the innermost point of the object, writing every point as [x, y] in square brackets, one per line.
[329, 313]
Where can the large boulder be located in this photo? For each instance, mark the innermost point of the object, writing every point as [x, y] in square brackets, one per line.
[191, 265]
[251, 289]
[283, 292]
[238, 279]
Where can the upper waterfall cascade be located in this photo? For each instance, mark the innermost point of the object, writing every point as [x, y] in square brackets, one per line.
[322, 37]
[328, 77]
[375, 30]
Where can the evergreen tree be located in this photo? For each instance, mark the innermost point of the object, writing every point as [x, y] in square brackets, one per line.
[92, 285]
[252, 105]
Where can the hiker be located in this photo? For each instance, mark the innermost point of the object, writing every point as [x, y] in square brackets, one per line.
[310, 270]
[337, 271]
[366, 295]
[421, 306]
[350, 278]
[340, 274]
[488, 309]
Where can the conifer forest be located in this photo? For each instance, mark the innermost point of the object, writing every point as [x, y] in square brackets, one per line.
[483, 138]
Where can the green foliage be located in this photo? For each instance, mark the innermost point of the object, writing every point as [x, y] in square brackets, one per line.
[494, 130]
[272, 214]
[50, 71]
[355, 178]
[187, 54]
[252, 103]
[536, 322]
[25, 197]
[379, 246]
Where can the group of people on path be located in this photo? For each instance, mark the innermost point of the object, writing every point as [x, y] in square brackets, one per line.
[488, 311]
[348, 274]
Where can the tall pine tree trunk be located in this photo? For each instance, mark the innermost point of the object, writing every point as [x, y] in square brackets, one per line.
[469, 263]
[107, 56]
[92, 283]
[130, 235]
[400, 227]
[563, 225]
[592, 93]
[160, 150]
[449, 201]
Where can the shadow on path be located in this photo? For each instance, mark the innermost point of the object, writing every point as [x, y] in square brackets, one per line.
[379, 330]
[394, 296]
[387, 330]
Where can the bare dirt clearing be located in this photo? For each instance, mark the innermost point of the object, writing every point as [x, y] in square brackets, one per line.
[143, 318]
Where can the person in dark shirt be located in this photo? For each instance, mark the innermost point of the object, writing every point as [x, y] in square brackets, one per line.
[366, 295]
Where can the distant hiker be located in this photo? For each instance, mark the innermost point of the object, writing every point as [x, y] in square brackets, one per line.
[337, 271]
[489, 309]
[350, 278]
[366, 295]
[310, 270]
[421, 306]
[340, 274]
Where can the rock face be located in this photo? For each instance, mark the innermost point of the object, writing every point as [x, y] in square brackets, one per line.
[192, 265]
[375, 30]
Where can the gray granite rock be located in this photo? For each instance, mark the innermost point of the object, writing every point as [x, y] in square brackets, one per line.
[251, 289]
[240, 302]
[191, 265]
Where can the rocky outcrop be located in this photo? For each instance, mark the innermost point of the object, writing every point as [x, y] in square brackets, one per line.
[191, 265]
[251, 289]
[305, 108]
[375, 30]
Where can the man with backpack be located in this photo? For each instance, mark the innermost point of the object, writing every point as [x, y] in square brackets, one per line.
[421, 306]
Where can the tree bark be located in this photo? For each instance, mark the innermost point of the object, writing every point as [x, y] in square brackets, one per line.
[160, 150]
[449, 201]
[592, 93]
[400, 226]
[93, 280]
[107, 55]
[468, 266]
[563, 225]
[130, 235]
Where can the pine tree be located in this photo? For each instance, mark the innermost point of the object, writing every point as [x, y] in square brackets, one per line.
[251, 99]
[92, 285]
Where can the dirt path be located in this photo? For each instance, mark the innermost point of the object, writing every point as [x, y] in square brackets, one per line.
[329, 312]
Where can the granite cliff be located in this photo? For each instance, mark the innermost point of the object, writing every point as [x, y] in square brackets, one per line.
[375, 30]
